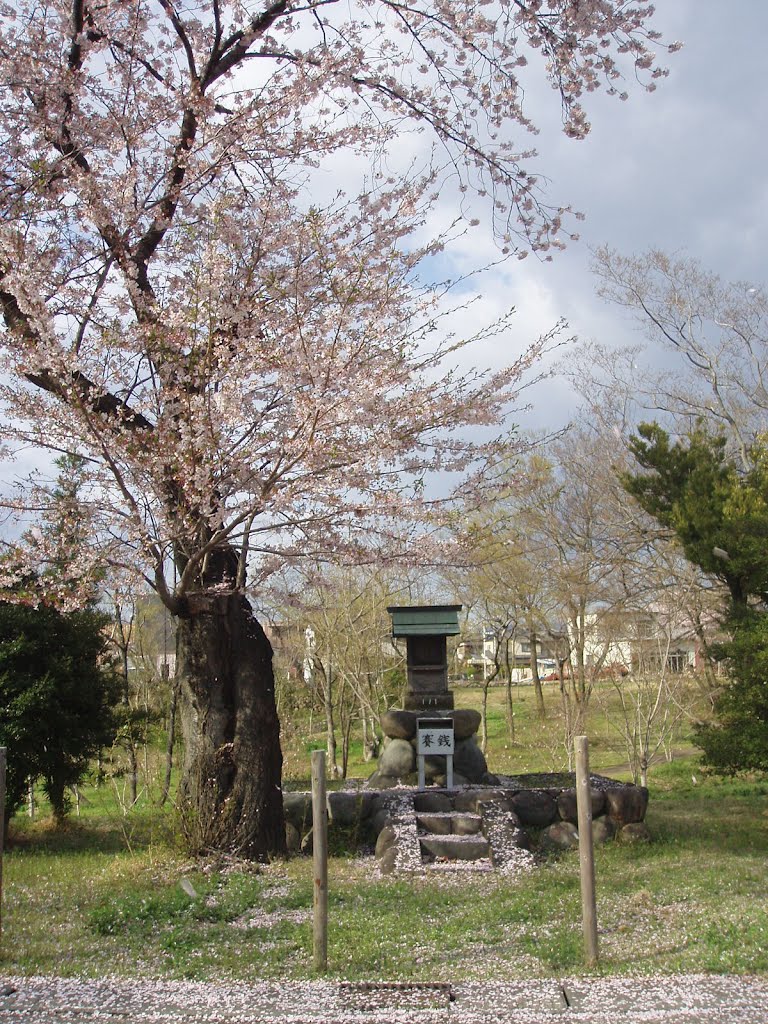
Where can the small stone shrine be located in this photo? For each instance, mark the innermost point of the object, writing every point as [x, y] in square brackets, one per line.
[479, 820]
[425, 629]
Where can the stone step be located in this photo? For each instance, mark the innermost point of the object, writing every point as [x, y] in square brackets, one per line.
[451, 847]
[456, 866]
[457, 823]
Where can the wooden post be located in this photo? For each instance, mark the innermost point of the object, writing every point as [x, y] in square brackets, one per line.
[319, 861]
[586, 851]
[3, 756]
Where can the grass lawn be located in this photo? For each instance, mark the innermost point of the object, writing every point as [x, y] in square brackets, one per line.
[104, 895]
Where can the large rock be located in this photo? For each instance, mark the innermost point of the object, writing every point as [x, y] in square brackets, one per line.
[397, 759]
[534, 807]
[387, 863]
[563, 835]
[386, 840]
[567, 807]
[603, 829]
[381, 781]
[503, 832]
[635, 832]
[399, 725]
[472, 799]
[434, 768]
[292, 838]
[469, 760]
[458, 780]
[626, 805]
[466, 722]
[297, 808]
[380, 819]
[347, 809]
[432, 803]
[466, 800]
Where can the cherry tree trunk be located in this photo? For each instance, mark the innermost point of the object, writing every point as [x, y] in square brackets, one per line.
[229, 795]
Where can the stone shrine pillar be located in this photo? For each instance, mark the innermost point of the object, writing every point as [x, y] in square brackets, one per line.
[425, 628]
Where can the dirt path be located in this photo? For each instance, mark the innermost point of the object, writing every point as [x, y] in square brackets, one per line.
[689, 999]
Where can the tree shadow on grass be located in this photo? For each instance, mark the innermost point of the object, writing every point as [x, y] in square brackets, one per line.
[95, 835]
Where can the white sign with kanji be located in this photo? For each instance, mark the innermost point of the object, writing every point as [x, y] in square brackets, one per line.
[434, 736]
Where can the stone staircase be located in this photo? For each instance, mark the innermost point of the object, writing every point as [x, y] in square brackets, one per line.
[437, 830]
[449, 836]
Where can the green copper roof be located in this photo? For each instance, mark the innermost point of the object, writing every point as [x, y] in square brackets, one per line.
[425, 620]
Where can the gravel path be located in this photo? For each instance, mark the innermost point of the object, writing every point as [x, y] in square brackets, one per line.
[689, 999]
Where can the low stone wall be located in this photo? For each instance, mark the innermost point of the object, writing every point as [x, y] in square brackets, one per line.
[538, 812]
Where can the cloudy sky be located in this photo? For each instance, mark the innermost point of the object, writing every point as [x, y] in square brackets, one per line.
[684, 169]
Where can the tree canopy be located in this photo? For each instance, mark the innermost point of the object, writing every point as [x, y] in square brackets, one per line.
[719, 513]
[251, 363]
[239, 363]
[57, 695]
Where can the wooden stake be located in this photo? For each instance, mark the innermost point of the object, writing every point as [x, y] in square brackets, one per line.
[320, 861]
[586, 851]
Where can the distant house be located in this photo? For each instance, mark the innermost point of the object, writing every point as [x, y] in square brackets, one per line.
[165, 665]
[615, 641]
[643, 640]
[479, 653]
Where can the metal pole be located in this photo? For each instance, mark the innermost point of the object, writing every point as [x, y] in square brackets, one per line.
[319, 861]
[3, 758]
[586, 851]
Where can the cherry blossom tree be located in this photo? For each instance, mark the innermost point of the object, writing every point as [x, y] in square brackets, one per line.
[249, 371]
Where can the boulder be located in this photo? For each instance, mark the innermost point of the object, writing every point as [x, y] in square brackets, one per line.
[374, 803]
[387, 839]
[434, 768]
[292, 838]
[483, 798]
[503, 831]
[399, 725]
[534, 807]
[626, 804]
[369, 802]
[381, 781]
[297, 808]
[388, 861]
[432, 803]
[380, 819]
[345, 808]
[566, 804]
[469, 760]
[397, 759]
[635, 832]
[306, 842]
[458, 780]
[466, 722]
[563, 835]
[603, 829]
[466, 800]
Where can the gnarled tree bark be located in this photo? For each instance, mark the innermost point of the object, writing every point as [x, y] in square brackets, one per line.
[229, 794]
